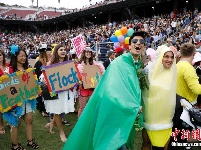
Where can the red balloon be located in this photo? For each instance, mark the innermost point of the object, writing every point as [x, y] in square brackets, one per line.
[126, 46]
[118, 50]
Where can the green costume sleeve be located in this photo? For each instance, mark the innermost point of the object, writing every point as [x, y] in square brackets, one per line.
[108, 118]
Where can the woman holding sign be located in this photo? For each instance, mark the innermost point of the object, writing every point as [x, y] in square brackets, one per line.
[65, 101]
[86, 59]
[3, 65]
[19, 62]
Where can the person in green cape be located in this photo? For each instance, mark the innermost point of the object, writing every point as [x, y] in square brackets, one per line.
[108, 118]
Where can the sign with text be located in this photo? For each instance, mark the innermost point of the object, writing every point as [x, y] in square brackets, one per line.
[61, 76]
[17, 88]
[90, 76]
[79, 44]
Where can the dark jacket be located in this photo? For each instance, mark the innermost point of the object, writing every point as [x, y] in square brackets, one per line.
[106, 63]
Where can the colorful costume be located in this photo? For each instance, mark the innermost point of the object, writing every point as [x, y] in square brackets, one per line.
[16, 112]
[160, 100]
[108, 118]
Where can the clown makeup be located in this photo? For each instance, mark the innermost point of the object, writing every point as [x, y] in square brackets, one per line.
[168, 59]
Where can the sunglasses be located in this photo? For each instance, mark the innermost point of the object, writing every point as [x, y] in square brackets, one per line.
[142, 41]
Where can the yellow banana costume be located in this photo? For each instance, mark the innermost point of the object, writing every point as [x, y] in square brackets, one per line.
[160, 100]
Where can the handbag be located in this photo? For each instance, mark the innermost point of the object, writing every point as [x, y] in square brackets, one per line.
[195, 116]
[46, 94]
[194, 113]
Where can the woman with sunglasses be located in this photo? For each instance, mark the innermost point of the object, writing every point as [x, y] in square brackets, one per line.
[3, 66]
[160, 100]
[86, 59]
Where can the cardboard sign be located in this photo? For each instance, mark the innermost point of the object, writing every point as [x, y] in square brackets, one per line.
[79, 44]
[17, 88]
[90, 76]
[61, 76]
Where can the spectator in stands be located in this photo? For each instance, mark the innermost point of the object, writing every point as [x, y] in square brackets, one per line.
[107, 62]
[169, 42]
[198, 46]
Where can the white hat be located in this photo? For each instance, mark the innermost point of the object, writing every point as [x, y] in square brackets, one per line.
[197, 57]
[72, 51]
[88, 49]
[43, 46]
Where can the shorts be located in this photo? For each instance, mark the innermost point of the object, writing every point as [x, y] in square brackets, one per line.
[26, 108]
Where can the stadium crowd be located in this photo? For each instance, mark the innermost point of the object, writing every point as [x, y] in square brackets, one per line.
[39, 17]
[165, 28]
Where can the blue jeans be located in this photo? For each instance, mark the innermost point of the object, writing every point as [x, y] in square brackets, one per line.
[123, 147]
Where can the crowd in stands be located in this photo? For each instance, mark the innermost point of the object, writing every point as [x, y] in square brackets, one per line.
[97, 4]
[58, 12]
[176, 29]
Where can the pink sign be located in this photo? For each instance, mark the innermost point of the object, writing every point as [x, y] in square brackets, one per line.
[79, 44]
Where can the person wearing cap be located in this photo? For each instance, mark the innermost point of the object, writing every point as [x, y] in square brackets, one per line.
[198, 46]
[109, 60]
[48, 52]
[108, 118]
[42, 61]
[48, 49]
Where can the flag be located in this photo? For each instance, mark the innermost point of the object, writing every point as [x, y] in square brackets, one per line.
[109, 116]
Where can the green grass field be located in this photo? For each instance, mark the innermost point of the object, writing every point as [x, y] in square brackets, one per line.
[46, 140]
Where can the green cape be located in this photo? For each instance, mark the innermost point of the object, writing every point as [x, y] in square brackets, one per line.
[107, 120]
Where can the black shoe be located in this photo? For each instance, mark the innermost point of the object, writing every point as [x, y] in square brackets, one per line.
[65, 122]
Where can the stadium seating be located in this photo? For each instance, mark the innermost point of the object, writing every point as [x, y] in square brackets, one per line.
[22, 13]
[50, 13]
[2, 9]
